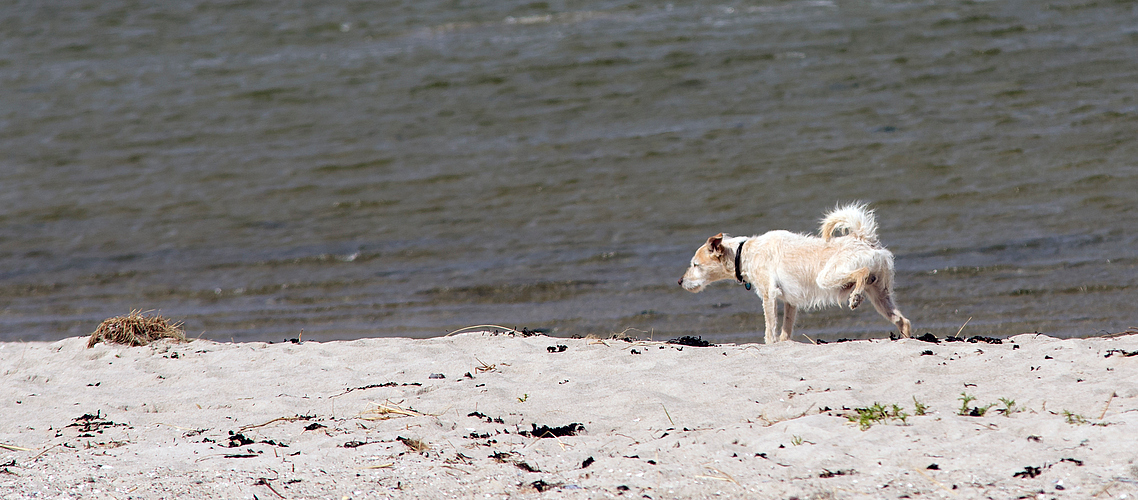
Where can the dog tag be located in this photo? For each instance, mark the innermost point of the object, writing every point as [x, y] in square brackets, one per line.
[747, 286]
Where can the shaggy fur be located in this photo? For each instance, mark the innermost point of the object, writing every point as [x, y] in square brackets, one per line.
[845, 264]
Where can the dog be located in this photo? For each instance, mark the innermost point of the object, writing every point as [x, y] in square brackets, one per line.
[805, 271]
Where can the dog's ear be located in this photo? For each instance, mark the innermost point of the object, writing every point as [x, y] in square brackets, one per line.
[715, 244]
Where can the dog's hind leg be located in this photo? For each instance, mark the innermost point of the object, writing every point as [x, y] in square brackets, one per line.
[882, 299]
[834, 277]
[788, 313]
[860, 278]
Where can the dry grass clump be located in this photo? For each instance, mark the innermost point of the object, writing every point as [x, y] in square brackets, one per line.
[386, 410]
[135, 329]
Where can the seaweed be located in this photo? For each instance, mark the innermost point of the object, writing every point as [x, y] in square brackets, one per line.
[237, 440]
[928, 337]
[414, 444]
[88, 423]
[974, 339]
[542, 486]
[480, 415]
[1028, 472]
[827, 473]
[354, 444]
[688, 340]
[547, 432]
[526, 467]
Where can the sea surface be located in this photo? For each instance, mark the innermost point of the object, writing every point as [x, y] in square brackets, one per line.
[266, 170]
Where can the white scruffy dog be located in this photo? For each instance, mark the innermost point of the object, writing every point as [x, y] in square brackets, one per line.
[805, 271]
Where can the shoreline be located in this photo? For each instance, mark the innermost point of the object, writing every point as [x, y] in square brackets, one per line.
[474, 415]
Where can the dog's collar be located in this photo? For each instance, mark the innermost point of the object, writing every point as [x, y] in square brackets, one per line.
[739, 266]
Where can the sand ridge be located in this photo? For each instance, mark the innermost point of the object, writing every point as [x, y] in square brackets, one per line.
[494, 416]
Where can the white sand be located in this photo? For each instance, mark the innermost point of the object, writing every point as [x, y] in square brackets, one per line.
[745, 421]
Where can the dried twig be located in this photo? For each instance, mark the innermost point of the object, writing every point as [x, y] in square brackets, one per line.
[1107, 406]
[45, 450]
[934, 481]
[264, 481]
[1104, 488]
[962, 326]
[468, 328]
[669, 415]
[622, 334]
[13, 448]
[770, 422]
[485, 367]
[386, 410]
[175, 426]
[1129, 331]
[278, 419]
[416, 445]
[726, 476]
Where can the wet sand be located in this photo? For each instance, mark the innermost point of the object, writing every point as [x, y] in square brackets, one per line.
[495, 416]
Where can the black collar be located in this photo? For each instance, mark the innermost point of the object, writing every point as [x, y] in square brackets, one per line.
[739, 265]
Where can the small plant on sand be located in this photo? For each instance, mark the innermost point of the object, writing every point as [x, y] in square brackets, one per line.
[1074, 418]
[866, 417]
[975, 411]
[796, 440]
[965, 399]
[1009, 407]
[878, 413]
[898, 414]
[918, 408]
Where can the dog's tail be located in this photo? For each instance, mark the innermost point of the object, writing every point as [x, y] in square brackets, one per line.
[855, 219]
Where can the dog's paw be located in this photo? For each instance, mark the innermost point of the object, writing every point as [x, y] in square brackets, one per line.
[855, 300]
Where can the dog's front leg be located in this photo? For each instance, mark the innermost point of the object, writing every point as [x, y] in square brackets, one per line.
[788, 313]
[770, 316]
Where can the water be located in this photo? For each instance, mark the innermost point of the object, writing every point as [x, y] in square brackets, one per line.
[256, 169]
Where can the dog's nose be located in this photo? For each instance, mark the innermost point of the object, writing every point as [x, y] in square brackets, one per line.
[681, 281]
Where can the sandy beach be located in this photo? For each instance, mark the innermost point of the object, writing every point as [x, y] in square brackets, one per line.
[479, 415]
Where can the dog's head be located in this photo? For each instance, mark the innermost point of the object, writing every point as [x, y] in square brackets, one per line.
[708, 265]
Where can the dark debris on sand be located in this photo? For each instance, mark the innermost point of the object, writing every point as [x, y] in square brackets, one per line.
[688, 340]
[1028, 472]
[930, 338]
[88, 423]
[546, 431]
